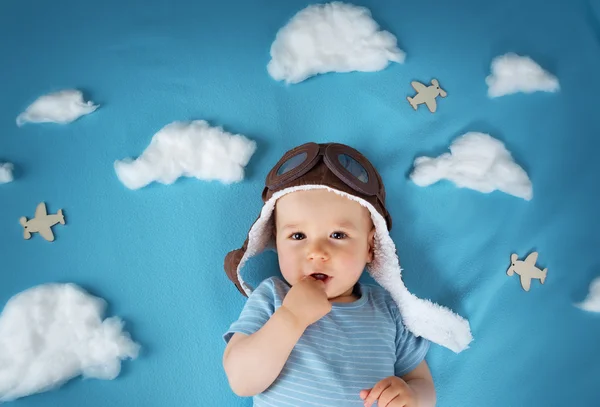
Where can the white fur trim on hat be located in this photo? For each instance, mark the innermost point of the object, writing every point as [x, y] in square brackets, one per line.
[422, 317]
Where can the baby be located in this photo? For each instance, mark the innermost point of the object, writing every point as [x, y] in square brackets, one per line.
[319, 337]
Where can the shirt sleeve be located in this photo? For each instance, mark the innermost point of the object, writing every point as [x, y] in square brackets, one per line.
[256, 312]
[410, 349]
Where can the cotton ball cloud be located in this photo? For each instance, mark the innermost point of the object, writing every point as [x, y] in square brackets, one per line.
[332, 37]
[60, 107]
[52, 333]
[6, 173]
[190, 149]
[476, 161]
[512, 73]
[592, 301]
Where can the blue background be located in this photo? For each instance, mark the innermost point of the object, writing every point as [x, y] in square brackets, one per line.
[156, 254]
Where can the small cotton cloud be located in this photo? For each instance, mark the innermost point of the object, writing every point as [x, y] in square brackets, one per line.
[52, 333]
[189, 149]
[476, 161]
[60, 107]
[332, 37]
[6, 173]
[512, 73]
[592, 301]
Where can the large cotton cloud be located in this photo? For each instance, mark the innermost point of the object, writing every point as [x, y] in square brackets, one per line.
[332, 37]
[60, 107]
[52, 333]
[6, 172]
[190, 149]
[512, 73]
[592, 301]
[476, 161]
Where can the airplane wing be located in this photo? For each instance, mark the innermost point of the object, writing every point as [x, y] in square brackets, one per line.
[431, 104]
[47, 234]
[40, 211]
[531, 259]
[418, 86]
[525, 283]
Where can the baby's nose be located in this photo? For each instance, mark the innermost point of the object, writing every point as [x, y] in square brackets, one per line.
[317, 252]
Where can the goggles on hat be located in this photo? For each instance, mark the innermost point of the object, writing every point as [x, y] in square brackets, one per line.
[349, 165]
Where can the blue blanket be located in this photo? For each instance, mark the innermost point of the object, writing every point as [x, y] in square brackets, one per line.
[156, 254]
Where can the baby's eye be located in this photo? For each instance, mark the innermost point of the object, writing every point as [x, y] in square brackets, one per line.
[338, 235]
[297, 236]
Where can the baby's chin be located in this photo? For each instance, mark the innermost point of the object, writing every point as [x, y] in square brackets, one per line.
[343, 297]
[340, 293]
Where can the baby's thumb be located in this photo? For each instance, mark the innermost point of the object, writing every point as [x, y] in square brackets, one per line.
[364, 393]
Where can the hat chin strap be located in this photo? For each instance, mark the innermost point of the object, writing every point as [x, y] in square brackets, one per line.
[422, 317]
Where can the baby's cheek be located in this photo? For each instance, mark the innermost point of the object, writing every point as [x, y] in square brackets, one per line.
[355, 259]
[288, 264]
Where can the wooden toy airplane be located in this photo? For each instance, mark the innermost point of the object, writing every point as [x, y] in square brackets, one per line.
[426, 94]
[526, 269]
[41, 223]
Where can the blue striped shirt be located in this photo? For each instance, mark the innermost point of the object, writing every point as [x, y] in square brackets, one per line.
[352, 348]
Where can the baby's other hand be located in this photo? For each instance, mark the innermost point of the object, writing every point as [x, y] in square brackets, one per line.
[390, 392]
[307, 301]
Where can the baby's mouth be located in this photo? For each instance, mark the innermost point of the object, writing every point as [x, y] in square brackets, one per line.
[320, 276]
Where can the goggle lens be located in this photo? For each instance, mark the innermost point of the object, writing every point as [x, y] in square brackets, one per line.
[291, 163]
[353, 167]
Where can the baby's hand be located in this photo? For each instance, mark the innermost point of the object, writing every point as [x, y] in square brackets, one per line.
[307, 301]
[390, 392]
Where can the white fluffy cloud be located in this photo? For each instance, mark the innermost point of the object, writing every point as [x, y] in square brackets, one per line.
[476, 161]
[512, 73]
[190, 149]
[6, 172]
[332, 37]
[592, 301]
[52, 333]
[60, 107]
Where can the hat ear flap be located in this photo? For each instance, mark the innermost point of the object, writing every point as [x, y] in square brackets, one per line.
[231, 263]
[264, 194]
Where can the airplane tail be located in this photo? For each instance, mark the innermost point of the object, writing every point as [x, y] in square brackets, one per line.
[61, 216]
[544, 272]
[412, 102]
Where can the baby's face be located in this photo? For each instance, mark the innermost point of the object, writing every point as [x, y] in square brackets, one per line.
[321, 232]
